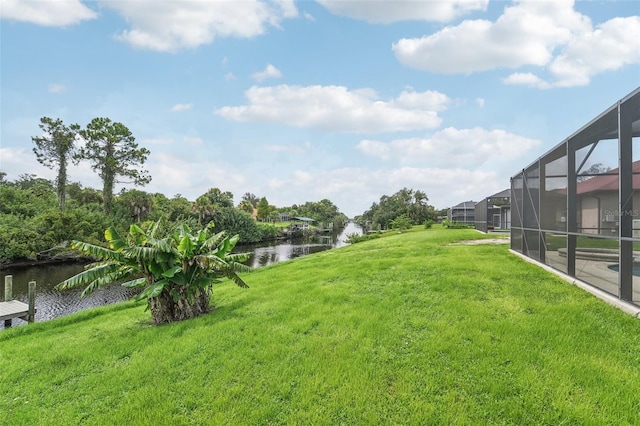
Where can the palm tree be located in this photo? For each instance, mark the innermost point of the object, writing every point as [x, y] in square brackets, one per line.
[204, 207]
[176, 273]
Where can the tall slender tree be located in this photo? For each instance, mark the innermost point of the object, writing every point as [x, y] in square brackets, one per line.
[251, 198]
[113, 152]
[54, 149]
[263, 208]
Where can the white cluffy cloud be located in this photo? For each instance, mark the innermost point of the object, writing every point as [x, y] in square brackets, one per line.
[172, 25]
[549, 34]
[525, 34]
[181, 107]
[451, 147]
[57, 13]
[269, 72]
[384, 12]
[609, 47]
[336, 108]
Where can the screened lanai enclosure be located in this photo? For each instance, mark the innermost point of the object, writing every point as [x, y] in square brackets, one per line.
[577, 208]
[494, 212]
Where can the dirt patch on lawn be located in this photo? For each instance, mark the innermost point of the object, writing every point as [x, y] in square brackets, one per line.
[484, 241]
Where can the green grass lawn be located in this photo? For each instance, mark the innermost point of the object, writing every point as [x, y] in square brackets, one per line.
[404, 329]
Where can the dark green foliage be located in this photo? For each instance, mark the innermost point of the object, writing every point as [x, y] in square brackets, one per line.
[26, 202]
[235, 221]
[179, 209]
[136, 204]
[83, 196]
[401, 223]
[219, 199]
[18, 239]
[31, 221]
[267, 231]
[409, 202]
[323, 211]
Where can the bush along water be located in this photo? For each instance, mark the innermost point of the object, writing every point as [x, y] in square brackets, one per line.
[176, 273]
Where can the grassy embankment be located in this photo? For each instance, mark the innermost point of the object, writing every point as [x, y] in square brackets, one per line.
[404, 329]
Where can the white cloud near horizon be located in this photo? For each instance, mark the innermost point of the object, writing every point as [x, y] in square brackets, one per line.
[385, 12]
[60, 13]
[336, 108]
[172, 25]
[450, 147]
[269, 72]
[550, 35]
[352, 189]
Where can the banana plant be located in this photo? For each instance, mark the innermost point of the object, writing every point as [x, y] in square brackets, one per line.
[176, 273]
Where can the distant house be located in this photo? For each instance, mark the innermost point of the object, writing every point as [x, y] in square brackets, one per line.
[284, 217]
[301, 223]
[463, 213]
[494, 212]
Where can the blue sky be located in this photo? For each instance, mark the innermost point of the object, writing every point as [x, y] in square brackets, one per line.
[304, 100]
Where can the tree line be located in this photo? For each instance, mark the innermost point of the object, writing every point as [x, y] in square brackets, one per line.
[407, 207]
[37, 215]
[31, 222]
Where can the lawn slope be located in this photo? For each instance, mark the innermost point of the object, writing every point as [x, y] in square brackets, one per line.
[405, 329]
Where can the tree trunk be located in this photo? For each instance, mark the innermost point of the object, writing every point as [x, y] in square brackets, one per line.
[108, 180]
[164, 309]
[61, 180]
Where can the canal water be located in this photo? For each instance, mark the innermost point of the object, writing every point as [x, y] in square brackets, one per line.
[51, 303]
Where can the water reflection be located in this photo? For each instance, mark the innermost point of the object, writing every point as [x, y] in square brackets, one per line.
[51, 303]
[268, 253]
[278, 252]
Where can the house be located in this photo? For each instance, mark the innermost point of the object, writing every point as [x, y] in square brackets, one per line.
[597, 201]
[494, 212]
[301, 223]
[463, 213]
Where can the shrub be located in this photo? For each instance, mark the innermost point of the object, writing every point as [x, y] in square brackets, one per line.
[357, 238]
[401, 223]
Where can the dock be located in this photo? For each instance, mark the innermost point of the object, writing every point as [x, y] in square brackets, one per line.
[10, 309]
[14, 309]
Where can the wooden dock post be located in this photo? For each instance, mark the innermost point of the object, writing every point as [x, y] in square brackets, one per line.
[8, 295]
[32, 302]
[8, 288]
